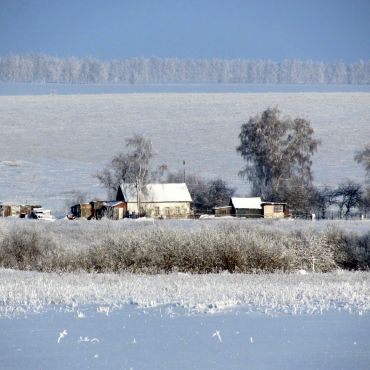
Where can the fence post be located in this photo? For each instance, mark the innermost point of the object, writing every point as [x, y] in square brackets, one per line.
[313, 264]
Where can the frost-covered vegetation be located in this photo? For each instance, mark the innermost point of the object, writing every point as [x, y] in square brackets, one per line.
[186, 246]
[268, 293]
[45, 68]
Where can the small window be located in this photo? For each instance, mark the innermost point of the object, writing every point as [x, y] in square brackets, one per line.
[167, 211]
[177, 210]
[156, 211]
[278, 208]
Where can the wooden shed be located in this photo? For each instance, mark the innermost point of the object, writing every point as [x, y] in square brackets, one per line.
[222, 211]
[274, 209]
[246, 207]
[83, 210]
[99, 209]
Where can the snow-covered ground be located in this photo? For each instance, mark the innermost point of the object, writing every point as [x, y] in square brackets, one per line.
[54, 144]
[134, 338]
[25, 292]
[181, 321]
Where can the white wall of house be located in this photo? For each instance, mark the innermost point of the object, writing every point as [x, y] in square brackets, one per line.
[162, 209]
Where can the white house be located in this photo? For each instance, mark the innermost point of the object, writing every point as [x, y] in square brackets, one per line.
[157, 200]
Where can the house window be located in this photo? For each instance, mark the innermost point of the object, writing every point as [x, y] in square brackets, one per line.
[167, 211]
[156, 211]
[177, 210]
[278, 208]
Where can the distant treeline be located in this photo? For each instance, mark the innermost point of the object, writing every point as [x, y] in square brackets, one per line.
[45, 68]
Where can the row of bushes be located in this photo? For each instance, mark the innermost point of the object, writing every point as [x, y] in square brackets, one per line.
[155, 249]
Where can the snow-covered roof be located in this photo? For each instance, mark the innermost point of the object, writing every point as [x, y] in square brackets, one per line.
[113, 203]
[273, 203]
[247, 203]
[157, 193]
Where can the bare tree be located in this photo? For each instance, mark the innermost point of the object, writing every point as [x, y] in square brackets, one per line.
[219, 192]
[324, 198]
[348, 196]
[160, 174]
[205, 194]
[130, 168]
[278, 152]
[365, 201]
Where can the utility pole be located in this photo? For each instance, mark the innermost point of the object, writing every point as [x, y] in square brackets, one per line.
[183, 163]
[138, 189]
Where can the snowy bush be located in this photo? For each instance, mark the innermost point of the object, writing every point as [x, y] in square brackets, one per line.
[184, 246]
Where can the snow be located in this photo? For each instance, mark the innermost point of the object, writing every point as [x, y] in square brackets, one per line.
[153, 339]
[53, 145]
[133, 337]
[247, 203]
[183, 321]
[58, 142]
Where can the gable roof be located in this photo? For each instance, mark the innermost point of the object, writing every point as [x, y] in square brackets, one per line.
[246, 203]
[157, 193]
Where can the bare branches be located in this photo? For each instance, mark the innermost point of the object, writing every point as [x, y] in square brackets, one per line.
[131, 167]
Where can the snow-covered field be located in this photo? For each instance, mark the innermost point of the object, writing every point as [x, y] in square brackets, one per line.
[52, 145]
[23, 292]
[181, 321]
[79, 320]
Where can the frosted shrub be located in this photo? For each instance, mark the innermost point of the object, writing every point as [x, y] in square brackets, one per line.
[195, 247]
[26, 248]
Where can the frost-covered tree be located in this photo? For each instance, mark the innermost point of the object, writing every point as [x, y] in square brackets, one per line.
[205, 194]
[278, 153]
[363, 157]
[130, 168]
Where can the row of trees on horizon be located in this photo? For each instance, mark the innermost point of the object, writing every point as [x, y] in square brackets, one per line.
[50, 69]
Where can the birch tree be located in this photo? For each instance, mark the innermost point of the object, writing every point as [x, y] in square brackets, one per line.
[130, 168]
[278, 152]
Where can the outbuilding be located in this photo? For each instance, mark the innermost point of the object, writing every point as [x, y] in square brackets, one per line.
[114, 210]
[274, 210]
[246, 207]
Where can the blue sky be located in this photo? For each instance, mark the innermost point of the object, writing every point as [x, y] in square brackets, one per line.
[320, 30]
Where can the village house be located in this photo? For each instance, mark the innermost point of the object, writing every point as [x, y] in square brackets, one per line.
[157, 200]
